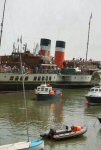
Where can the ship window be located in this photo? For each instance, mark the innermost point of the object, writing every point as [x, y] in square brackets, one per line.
[46, 89]
[16, 78]
[26, 78]
[96, 89]
[39, 78]
[12, 77]
[43, 78]
[20, 78]
[46, 78]
[50, 78]
[35, 78]
[92, 90]
[42, 89]
[38, 89]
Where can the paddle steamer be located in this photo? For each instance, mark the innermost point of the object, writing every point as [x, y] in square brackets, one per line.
[39, 67]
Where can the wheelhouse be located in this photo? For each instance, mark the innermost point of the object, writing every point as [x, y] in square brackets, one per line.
[44, 89]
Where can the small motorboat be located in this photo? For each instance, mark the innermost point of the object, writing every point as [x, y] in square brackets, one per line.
[75, 131]
[46, 92]
[94, 96]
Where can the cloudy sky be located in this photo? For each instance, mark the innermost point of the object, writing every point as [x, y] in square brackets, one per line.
[65, 20]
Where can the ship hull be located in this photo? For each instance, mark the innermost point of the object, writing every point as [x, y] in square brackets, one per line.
[31, 86]
[13, 81]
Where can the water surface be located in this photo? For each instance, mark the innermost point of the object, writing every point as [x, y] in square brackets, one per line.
[43, 115]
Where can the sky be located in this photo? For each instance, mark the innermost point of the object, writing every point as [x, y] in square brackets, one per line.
[65, 20]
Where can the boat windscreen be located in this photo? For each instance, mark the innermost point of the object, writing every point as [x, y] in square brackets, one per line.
[92, 90]
[96, 90]
[46, 89]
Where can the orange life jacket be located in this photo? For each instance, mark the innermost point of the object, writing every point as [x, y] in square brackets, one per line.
[76, 128]
[52, 92]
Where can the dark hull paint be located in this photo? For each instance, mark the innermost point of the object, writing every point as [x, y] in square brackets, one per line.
[93, 100]
[71, 85]
[17, 86]
[48, 97]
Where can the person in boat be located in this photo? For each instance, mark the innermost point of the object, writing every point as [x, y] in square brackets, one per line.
[51, 92]
[52, 132]
[76, 128]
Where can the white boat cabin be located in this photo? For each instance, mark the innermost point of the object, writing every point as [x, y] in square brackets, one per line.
[95, 91]
[43, 89]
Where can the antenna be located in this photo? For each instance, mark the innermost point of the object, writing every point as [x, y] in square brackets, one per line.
[2, 22]
[88, 36]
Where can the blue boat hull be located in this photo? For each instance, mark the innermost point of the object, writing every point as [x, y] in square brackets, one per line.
[36, 145]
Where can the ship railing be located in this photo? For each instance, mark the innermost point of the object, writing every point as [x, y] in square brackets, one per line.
[48, 71]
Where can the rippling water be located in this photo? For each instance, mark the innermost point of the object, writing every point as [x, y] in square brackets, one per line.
[43, 115]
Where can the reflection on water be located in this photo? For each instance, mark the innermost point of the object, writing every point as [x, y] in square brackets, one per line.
[43, 115]
[93, 110]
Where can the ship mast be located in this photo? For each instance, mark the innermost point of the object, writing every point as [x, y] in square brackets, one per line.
[2, 22]
[88, 36]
